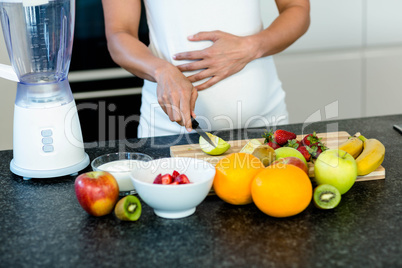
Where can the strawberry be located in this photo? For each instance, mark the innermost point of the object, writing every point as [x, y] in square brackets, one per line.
[305, 151]
[175, 178]
[175, 174]
[293, 143]
[317, 149]
[158, 179]
[273, 145]
[268, 136]
[269, 140]
[167, 179]
[310, 139]
[281, 136]
[182, 179]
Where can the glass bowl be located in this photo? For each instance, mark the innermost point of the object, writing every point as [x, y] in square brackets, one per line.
[120, 166]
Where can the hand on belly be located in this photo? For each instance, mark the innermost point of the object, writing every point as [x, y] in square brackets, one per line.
[227, 55]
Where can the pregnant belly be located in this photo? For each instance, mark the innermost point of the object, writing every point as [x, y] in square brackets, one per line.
[242, 97]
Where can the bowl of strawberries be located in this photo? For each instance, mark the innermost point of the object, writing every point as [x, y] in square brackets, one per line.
[175, 186]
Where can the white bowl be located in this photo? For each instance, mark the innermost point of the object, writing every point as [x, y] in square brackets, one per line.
[174, 201]
[120, 166]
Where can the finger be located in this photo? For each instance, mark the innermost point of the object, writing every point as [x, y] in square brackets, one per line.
[169, 112]
[194, 96]
[177, 115]
[200, 75]
[167, 107]
[200, 36]
[187, 120]
[162, 105]
[189, 55]
[193, 66]
[208, 83]
[185, 108]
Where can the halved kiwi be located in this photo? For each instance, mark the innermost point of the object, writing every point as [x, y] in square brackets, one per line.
[326, 196]
[128, 208]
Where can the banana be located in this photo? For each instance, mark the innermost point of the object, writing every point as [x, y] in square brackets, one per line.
[371, 157]
[354, 146]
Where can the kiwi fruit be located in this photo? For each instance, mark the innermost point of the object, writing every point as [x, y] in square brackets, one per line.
[128, 208]
[326, 196]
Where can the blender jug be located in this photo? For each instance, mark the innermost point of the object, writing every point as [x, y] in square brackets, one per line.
[47, 138]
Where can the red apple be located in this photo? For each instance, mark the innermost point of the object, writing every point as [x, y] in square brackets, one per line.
[97, 192]
[292, 160]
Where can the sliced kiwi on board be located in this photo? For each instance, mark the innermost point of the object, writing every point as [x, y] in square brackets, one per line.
[326, 196]
[128, 208]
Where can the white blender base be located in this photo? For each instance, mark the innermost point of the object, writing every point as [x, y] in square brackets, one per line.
[39, 174]
[47, 139]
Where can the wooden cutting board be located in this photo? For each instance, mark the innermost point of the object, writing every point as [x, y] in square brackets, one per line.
[330, 139]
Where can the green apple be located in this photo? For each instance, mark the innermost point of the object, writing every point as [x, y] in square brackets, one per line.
[337, 168]
[221, 145]
[287, 152]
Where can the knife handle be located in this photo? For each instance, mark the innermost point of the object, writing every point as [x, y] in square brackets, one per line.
[398, 128]
[194, 123]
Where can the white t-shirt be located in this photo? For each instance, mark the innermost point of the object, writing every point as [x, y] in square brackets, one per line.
[252, 97]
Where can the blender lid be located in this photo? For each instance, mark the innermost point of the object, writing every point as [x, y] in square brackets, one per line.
[28, 2]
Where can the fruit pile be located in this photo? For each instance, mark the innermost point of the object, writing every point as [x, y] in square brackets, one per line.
[274, 175]
[310, 146]
[280, 186]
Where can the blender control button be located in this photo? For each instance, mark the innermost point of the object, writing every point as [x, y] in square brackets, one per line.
[47, 140]
[48, 148]
[46, 133]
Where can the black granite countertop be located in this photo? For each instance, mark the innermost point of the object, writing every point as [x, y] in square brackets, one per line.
[42, 224]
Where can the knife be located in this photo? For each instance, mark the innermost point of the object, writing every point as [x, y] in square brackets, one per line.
[196, 126]
[398, 128]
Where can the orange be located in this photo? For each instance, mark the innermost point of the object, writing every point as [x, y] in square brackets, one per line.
[282, 191]
[234, 174]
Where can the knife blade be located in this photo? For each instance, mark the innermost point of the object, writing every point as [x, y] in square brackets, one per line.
[196, 126]
[398, 127]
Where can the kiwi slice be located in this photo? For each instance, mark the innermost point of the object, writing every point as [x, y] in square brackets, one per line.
[128, 208]
[326, 196]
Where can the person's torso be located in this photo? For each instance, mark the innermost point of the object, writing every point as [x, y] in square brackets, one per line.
[170, 22]
[254, 91]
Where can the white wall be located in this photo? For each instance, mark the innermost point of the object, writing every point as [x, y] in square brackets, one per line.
[7, 91]
[351, 56]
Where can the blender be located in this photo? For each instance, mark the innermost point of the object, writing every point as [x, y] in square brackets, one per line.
[47, 138]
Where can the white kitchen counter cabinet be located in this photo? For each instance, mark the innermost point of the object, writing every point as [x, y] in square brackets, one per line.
[383, 94]
[384, 22]
[317, 82]
[335, 24]
[352, 53]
